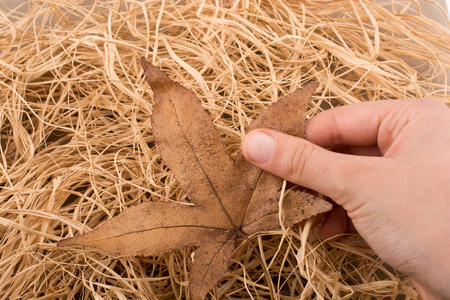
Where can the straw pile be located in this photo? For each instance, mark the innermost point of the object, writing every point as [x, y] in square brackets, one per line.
[77, 149]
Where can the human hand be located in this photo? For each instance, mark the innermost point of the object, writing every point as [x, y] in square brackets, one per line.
[394, 184]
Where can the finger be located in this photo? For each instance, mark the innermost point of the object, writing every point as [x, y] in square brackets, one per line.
[360, 124]
[358, 150]
[335, 223]
[301, 162]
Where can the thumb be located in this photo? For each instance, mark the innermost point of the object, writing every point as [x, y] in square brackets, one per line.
[299, 161]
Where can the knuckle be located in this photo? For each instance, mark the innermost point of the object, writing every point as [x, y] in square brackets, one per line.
[296, 160]
[430, 110]
[438, 105]
[430, 104]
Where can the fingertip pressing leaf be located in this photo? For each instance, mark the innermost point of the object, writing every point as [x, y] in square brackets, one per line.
[230, 197]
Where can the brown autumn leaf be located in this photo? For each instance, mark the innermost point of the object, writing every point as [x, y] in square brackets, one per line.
[231, 197]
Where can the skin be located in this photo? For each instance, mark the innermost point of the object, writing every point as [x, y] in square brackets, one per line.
[392, 183]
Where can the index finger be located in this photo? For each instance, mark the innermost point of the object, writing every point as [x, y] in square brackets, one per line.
[363, 124]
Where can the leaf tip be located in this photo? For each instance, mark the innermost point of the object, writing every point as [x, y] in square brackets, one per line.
[78, 239]
[144, 62]
[314, 83]
[65, 243]
[157, 79]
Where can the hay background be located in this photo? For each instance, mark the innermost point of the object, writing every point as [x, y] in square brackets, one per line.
[76, 143]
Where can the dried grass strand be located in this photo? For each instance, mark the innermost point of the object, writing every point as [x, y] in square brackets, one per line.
[76, 144]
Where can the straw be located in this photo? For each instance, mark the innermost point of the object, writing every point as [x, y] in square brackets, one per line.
[77, 149]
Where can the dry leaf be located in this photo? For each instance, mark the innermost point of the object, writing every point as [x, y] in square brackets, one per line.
[231, 197]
